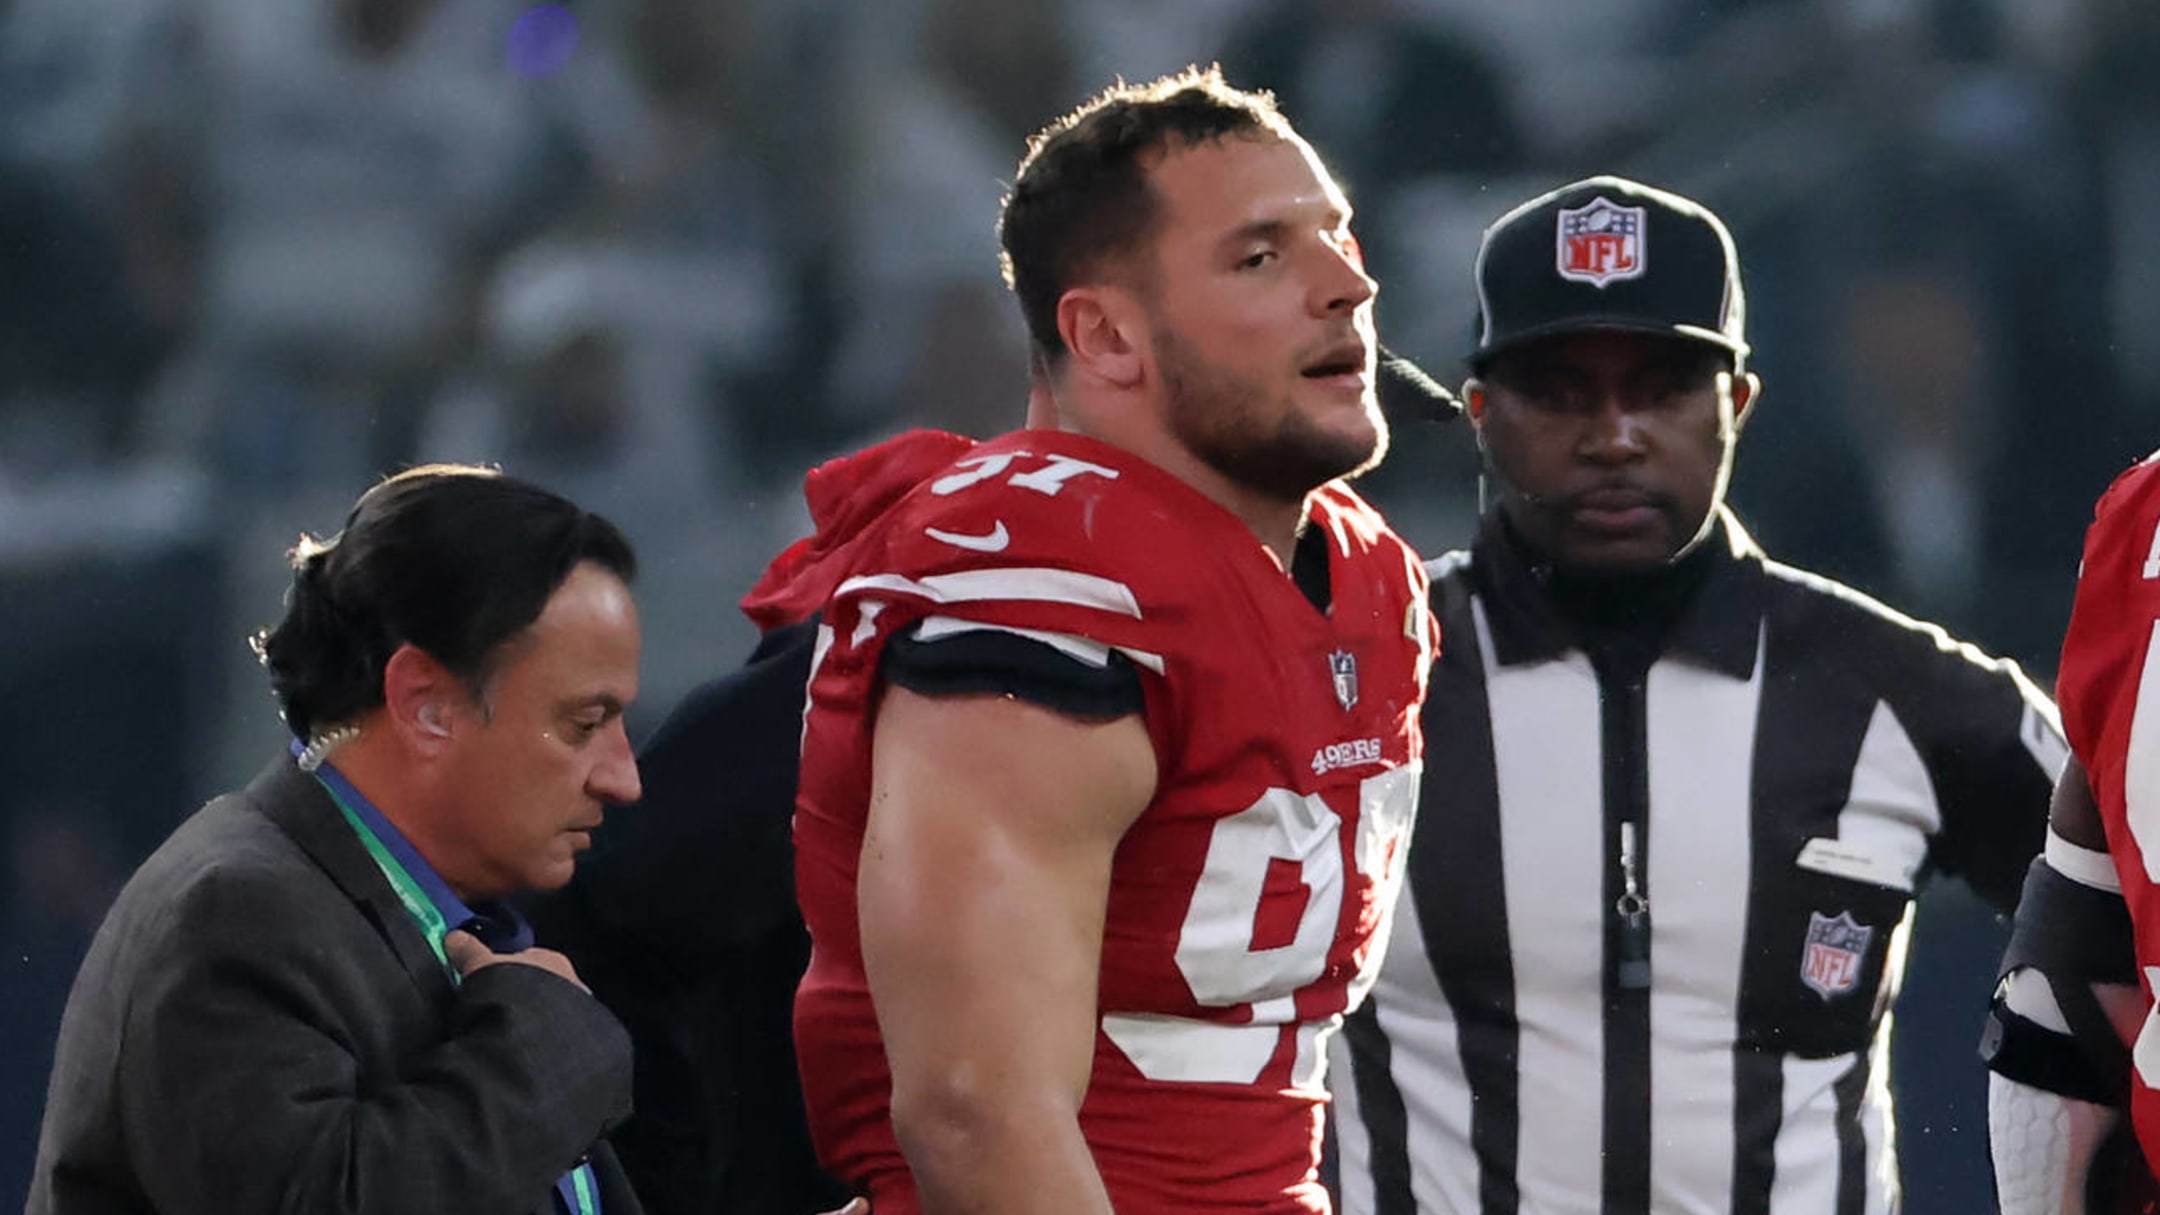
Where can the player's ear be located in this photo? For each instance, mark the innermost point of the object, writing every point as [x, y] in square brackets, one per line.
[1102, 331]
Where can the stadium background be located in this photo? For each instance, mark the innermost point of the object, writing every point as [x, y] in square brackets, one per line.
[665, 254]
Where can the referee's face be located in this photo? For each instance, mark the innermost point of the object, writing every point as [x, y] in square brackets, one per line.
[1611, 449]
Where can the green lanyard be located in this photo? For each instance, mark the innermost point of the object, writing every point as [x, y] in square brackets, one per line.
[581, 1179]
[576, 1187]
[417, 904]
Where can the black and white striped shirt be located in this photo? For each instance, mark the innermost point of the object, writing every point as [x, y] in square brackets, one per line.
[1777, 773]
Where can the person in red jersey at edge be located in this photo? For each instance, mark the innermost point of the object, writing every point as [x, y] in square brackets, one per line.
[1111, 746]
[2074, 1038]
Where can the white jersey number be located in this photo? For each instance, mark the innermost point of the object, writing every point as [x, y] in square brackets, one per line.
[1216, 951]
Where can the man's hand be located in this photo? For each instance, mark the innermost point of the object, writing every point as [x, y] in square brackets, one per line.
[468, 955]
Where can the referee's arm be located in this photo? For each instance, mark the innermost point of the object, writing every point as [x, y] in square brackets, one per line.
[1993, 747]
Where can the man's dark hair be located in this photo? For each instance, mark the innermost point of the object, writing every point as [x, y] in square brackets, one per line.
[455, 559]
[1081, 198]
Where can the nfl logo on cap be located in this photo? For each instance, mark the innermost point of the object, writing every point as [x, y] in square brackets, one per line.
[1599, 242]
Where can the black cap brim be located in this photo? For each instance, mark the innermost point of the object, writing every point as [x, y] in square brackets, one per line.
[1596, 324]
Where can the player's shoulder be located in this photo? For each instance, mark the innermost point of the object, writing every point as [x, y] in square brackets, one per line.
[2133, 498]
[1343, 508]
[2120, 559]
[1044, 498]
[1043, 475]
[1363, 537]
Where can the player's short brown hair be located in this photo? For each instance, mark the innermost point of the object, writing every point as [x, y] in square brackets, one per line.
[1081, 200]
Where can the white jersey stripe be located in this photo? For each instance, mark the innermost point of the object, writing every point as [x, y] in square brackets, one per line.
[1081, 649]
[1436, 1108]
[1033, 584]
[1891, 813]
[1353, 1141]
[1701, 744]
[1807, 1150]
[1546, 760]
[1420, 1025]
[1881, 1131]
[2141, 767]
[1878, 1113]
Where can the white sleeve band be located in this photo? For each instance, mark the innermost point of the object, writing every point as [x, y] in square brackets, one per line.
[1080, 649]
[2085, 866]
[2042, 1145]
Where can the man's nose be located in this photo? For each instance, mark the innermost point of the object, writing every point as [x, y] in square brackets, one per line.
[615, 778]
[1614, 432]
[1346, 284]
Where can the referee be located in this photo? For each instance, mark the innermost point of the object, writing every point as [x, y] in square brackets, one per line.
[1679, 797]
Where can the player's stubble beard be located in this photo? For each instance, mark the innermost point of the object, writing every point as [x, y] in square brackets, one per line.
[1211, 412]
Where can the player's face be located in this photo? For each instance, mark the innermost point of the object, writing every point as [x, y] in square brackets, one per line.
[531, 775]
[1262, 317]
[1611, 449]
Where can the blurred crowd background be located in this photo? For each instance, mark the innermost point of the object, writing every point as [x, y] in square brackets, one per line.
[663, 255]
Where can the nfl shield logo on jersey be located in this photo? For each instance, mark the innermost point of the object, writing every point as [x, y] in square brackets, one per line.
[1343, 664]
[1835, 948]
[1600, 242]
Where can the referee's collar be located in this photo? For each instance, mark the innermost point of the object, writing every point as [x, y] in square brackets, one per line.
[1719, 628]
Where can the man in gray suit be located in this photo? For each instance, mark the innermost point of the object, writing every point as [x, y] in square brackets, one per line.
[312, 996]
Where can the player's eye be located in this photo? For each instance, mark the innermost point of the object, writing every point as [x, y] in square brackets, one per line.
[1347, 241]
[1256, 259]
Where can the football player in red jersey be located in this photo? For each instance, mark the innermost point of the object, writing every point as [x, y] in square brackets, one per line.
[1111, 745]
[2073, 1037]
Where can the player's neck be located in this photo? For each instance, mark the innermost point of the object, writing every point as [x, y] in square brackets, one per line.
[1273, 520]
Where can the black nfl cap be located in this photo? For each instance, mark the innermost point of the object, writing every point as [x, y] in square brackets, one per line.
[1608, 253]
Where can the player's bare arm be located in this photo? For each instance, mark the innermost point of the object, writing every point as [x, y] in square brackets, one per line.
[985, 870]
[2072, 813]
[2074, 817]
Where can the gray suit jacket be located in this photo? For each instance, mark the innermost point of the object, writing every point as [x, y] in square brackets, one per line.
[260, 1027]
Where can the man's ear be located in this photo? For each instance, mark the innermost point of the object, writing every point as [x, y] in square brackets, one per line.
[1746, 390]
[420, 698]
[1103, 335]
[1473, 399]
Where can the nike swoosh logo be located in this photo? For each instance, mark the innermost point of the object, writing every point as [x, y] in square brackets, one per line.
[993, 541]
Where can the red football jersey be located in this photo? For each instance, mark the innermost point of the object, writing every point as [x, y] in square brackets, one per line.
[1249, 903]
[2109, 691]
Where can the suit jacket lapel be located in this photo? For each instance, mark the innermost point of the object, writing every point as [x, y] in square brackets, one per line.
[616, 1196]
[303, 809]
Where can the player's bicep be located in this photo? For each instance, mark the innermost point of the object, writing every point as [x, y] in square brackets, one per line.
[984, 873]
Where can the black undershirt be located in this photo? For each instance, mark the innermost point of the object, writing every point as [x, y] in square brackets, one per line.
[1632, 613]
